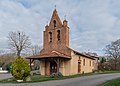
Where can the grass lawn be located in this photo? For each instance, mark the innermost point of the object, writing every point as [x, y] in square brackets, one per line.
[38, 78]
[107, 72]
[35, 78]
[115, 82]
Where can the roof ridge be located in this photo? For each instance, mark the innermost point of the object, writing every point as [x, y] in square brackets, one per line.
[60, 52]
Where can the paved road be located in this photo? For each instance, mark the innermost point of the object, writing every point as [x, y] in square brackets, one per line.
[5, 76]
[93, 80]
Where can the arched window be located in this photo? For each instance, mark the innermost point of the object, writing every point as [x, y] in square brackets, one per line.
[54, 23]
[58, 35]
[50, 36]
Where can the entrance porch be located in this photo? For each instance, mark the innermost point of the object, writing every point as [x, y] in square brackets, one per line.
[49, 65]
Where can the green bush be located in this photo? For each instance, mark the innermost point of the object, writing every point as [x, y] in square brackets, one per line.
[20, 69]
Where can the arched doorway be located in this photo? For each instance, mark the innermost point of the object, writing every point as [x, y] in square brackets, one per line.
[53, 67]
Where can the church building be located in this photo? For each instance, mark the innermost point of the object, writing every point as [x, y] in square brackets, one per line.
[57, 56]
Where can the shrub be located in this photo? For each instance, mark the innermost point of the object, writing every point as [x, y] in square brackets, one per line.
[20, 69]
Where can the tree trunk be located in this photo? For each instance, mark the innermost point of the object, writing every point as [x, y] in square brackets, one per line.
[115, 65]
[18, 54]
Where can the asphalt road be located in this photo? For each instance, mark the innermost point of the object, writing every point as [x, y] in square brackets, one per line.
[93, 80]
[5, 76]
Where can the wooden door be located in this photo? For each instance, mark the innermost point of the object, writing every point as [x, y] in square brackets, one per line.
[53, 67]
[79, 67]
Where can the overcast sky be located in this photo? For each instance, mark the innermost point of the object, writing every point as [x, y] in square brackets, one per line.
[93, 23]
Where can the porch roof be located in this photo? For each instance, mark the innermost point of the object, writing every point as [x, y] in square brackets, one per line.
[53, 54]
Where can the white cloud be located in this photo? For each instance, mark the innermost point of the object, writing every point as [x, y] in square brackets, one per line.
[93, 23]
[97, 25]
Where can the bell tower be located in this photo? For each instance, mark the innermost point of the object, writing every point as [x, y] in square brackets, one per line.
[56, 34]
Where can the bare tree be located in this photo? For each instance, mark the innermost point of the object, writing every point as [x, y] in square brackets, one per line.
[2, 52]
[18, 41]
[6, 58]
[35, 49]
[113, 51]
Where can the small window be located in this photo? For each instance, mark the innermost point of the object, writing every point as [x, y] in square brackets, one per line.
[90, 63]
[93, 64]
[58, 35]
[84, 62]
[54, 23]
[50, 36]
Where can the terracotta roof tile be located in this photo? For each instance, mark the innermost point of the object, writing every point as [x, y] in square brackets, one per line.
[85, 55]
[47, 55]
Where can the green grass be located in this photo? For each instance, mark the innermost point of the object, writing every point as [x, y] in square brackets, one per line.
[107, 72]
[38, 78]
[10, 80]
[35, 78]
[115, 82]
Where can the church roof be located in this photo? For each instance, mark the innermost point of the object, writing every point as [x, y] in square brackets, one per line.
[85, 55]
[56, 54]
